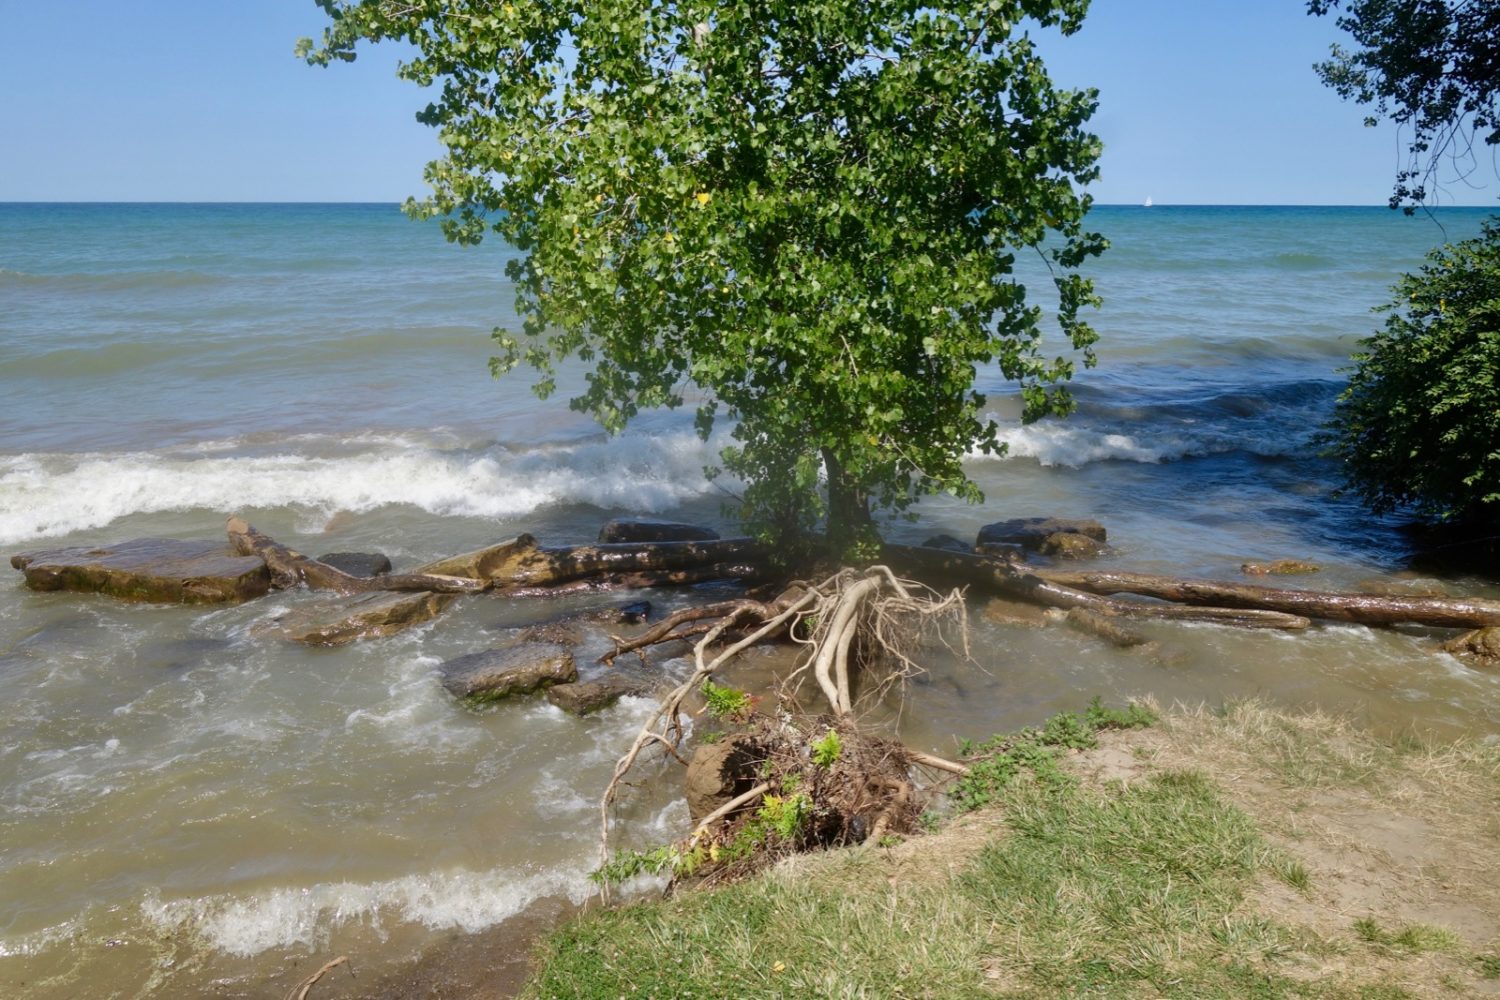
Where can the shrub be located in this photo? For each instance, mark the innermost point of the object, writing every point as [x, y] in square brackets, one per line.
[1419, 425]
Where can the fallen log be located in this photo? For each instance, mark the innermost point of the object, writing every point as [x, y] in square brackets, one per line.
[998, 576]
[289, 568]
[1364, 609]
[548, 566]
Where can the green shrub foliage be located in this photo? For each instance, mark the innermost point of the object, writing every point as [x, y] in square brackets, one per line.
[800, 215]
[1419, 425]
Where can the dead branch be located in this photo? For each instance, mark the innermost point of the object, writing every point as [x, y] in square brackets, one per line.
[289, 568]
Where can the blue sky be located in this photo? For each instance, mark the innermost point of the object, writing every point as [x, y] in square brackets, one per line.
[1202, 101]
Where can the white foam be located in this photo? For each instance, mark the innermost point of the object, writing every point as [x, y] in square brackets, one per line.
[462, 900]
[44, 495]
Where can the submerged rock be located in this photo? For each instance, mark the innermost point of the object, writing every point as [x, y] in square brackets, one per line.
[365, 564]
[1480, 648]
[1071, 545]
[947, 543]
[638, 529]
[585, 697]
[634, 613]
[341, 621]
[1035, 532]
[501, 673]
[482, 564]
[1280, 567]
[150, 569]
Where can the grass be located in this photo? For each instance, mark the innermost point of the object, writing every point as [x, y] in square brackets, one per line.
[1059, 887]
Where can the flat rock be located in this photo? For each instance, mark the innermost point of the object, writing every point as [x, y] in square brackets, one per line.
[150, 569]
[1033, 532]
[364, 564]
[1481, 648]
[367, 616]
[637, 529]
[584, 697]
[482, 564]
[501, 673]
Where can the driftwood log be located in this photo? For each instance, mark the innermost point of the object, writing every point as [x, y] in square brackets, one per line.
[999, 576]
[1364, 609]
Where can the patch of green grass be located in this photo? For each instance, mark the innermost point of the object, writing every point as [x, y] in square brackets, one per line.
[1408, 939]
[1290, 872]
[998, 761]
[1489, 965]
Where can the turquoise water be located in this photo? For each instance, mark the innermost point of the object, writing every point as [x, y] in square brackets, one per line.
[186, 807]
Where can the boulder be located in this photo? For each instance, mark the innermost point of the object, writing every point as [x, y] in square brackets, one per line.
[1280, 567]
[500, 673]
[584, 697]
[1480, 648]
[636, 529]
[1001, 611]
[1033, 532]
[365, 564]
[150, 569]
[341, 621]
[634, 613]
[483, 564]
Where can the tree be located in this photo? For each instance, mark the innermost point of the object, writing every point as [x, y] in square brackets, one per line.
[1418, 425]
[1430, 64]
[800, 215]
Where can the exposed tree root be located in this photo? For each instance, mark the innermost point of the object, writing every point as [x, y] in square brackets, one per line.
[820, 783]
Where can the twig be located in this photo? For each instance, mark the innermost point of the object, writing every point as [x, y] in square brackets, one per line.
[729, 807]
[299, 992]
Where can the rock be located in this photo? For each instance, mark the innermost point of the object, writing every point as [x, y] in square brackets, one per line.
[1481, 648]
[583, 697]
[500, 673]
[634, 613]
[1071, 545]
[635, 529]
[341, 621]
[1032, 532]
[569, 631]
[1003, 612]
[150, 569]
[719, 772]
[364, 564]
[1104, 628]
[1280, 567]
[947, 543]
[482, 564]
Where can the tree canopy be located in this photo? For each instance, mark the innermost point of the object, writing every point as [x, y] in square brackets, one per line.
[800, 215]
[1433, 65]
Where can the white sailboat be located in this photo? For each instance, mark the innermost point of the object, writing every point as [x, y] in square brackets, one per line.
[1148, 202]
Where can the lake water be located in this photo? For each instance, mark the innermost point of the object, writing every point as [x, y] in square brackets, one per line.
[187, 809]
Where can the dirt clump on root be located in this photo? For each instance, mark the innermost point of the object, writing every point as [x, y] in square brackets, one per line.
[826, 783]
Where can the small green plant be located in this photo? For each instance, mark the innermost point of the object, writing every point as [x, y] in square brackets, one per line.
[666, 859]
[827, 750]
[725, 702]
[1291, 872]
[711, 736]
[1489, 965]
[930, 822]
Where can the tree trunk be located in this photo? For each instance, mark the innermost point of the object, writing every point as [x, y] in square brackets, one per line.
[1365, 609]
[849, 521]
[289, 568]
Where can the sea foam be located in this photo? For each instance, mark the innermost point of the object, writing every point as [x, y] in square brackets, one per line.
[469, 901]
[46, 495]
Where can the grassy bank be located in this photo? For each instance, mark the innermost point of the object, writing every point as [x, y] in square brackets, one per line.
[1246, 853]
